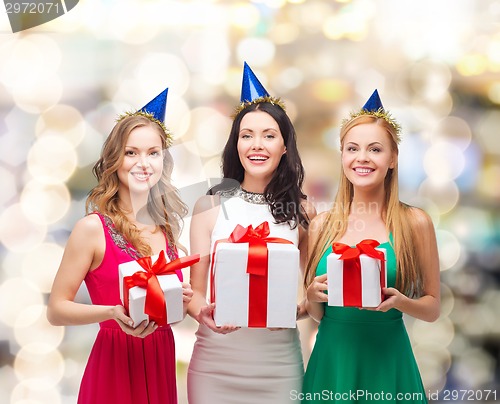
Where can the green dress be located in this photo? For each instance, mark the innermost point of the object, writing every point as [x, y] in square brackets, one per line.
[362, 356]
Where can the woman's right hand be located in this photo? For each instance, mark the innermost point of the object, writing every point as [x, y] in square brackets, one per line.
[127, 325]
[316, 290]
[206, 317]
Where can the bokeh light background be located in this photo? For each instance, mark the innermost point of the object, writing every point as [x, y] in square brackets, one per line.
[436, 65]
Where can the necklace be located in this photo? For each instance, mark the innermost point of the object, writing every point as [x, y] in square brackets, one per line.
[247, 196]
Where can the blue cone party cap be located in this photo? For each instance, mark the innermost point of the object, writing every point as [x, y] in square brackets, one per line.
[251, 87]
[253, 92]
[374, 103]
[157, 106]
[154, 110]
[375, 108]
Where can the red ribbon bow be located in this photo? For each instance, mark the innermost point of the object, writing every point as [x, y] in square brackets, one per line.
[155, 306]
[257, 268]
[352, 268]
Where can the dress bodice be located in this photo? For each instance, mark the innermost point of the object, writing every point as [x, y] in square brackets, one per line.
[246, 208]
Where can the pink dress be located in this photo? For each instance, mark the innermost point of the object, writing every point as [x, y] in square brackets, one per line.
[122, 368]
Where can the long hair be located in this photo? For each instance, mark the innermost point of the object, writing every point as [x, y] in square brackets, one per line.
[164, 204]
[396, 215]
[284, 192]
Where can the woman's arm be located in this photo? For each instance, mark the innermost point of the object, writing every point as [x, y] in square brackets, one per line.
[315, 294]
[84, 251]
[203, 221]
[310, 211]
[427, 307]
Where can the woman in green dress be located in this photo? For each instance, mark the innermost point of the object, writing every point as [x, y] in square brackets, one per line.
[364, 355]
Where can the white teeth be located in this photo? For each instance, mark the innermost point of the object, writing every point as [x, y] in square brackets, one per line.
[258, 158]
[363, 170]
[141, 176]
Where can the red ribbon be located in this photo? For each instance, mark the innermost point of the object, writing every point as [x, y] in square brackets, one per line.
[352, 292]
[155, 306]
[257, 268]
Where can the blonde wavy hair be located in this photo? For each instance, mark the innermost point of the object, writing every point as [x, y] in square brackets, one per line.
[164, 204]
[397, 216]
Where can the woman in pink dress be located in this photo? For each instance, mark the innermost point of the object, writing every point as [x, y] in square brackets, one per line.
[134, 211]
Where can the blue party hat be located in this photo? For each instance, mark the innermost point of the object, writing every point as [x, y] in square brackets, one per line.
[157, 106]
[375, 108]
[154, 110]
[374, 103]
[253, 92]
[251, 87]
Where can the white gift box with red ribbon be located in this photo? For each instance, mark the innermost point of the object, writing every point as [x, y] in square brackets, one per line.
[255, 286]
[151, 288]
[356, 279]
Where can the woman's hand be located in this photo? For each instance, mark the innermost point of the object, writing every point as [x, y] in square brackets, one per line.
[187, 295]
[392, 301]
[127, 325]
[206, 317]
[316, 290]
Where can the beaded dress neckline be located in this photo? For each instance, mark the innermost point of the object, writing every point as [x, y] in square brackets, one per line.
[247, 196]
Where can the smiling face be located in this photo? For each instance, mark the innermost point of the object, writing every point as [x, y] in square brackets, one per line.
[367, 155]
[142, 163]
[260, 145]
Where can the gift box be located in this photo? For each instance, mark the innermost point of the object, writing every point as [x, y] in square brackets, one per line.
[255, 279]
[356, 275]
[151, 288]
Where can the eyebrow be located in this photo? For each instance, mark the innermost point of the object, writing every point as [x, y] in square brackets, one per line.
[371, 144]
[136, 148]
[265, 130]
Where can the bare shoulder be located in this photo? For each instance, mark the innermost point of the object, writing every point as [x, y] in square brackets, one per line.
[316, 225]
[309, 209]
[421, 221]
[88, 226]
[319, 219]
[206, 203]
[205, 213]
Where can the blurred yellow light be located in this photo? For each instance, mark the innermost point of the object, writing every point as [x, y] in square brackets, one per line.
[494, 92]
[486, 131]
[330, 90]
[210, 129]
[243, 15]
[472, 65]
[447, 300]
[445, 194]
[434, 361]
[40, 265]
[443, 161]
[45, 204]
[257, 52]
[284, 33]
[52, 159]
[440, 332]
[344, 25]
[130, 22]
[39, 362]
[17, 232]
[16, 294]
[213, 167]
[32, 326]
[454, 130]
[28, 60]
[40, 96]
[8, 185]
[188, 164]
[62, 120]
[33, 391]
[449, 248]
[487, 177]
